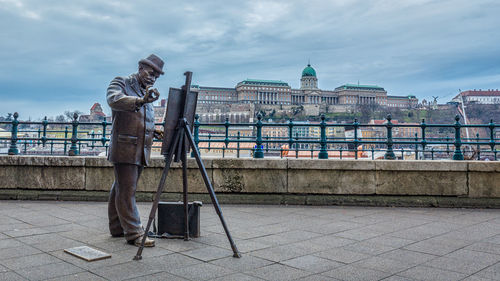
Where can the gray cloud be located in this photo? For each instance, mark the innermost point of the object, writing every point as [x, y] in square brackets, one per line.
[59, 55]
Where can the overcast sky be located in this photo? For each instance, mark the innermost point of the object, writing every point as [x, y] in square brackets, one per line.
[61, 55]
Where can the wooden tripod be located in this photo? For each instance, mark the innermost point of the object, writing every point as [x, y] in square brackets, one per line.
[183, 134]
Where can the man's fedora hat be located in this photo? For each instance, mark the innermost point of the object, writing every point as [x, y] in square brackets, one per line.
[154, 61]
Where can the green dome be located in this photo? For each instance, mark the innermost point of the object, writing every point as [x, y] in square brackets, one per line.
[309, 71]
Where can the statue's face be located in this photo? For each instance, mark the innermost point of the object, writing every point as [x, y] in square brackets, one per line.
[147, 75]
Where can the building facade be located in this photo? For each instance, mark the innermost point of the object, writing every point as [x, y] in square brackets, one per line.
[409, 101]
[263, 92]
[216, 95]
[490, 96]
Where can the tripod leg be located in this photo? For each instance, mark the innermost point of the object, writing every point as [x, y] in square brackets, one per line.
[185, 189]
[161, 186]
[210, 189]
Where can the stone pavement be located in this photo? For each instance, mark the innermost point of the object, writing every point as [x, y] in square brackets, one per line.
[277, 243]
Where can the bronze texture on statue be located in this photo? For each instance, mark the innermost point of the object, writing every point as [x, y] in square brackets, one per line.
[133, 129]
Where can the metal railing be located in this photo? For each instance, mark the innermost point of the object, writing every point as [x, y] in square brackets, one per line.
[289, 140]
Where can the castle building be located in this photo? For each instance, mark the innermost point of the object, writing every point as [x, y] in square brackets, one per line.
[277, 92]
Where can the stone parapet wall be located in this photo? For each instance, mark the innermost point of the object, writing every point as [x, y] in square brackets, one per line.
[464, 179]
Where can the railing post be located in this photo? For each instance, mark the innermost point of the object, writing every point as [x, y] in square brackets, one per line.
[416, 146]
[458, 155]
[209, 141]
[259, 153]
[103, 138]
[355, 125]
[44, 137]
[373, 152]
[297, 145]
[65, 138]
[290, 134]
[238, 145]
[323, 153]
[226, 125]
[492, 137]
[424, 141]
[73, 150]
[92, 142]
[13, 150]
[478, 147]
[196, 129]
[448, 146]
[432, 153]
[389, 154]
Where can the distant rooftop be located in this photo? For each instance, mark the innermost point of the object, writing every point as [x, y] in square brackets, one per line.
[402, 97]
[359, 87]
[217, 88]
[490, 92]
[260, 82]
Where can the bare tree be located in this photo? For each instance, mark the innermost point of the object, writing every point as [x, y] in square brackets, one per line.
[69, 114]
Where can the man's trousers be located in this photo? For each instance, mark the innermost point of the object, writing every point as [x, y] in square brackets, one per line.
[122, 211]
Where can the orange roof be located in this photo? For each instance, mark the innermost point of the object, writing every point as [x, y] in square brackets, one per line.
[95, 105]
[481, 93]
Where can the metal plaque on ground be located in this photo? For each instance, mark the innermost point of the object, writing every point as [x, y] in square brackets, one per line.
[87, 253]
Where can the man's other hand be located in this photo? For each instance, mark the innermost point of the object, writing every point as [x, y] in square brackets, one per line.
[158, 134]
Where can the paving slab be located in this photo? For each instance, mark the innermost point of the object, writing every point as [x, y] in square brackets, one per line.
[342, 255]
[11, 276]
[208, 253]
[312, 264]
[125, 270]
[162, 276]
[383, 264]
[18, 251]
[465, 266]
[279, 253]
[367, 247]
[277, 272]
[430, 273]
[412, 257]
[246, 263]
[237, 276]
[203, 271]
[80, 276]
[49, 271]
[29, 261]
[349, 272]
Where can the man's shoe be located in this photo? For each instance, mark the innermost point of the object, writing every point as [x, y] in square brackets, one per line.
[118, 235]
[137, 242]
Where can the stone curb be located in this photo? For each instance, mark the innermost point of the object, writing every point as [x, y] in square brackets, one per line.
[263, 199]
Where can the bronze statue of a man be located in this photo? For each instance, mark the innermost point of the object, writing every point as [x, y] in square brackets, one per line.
[132, 135]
